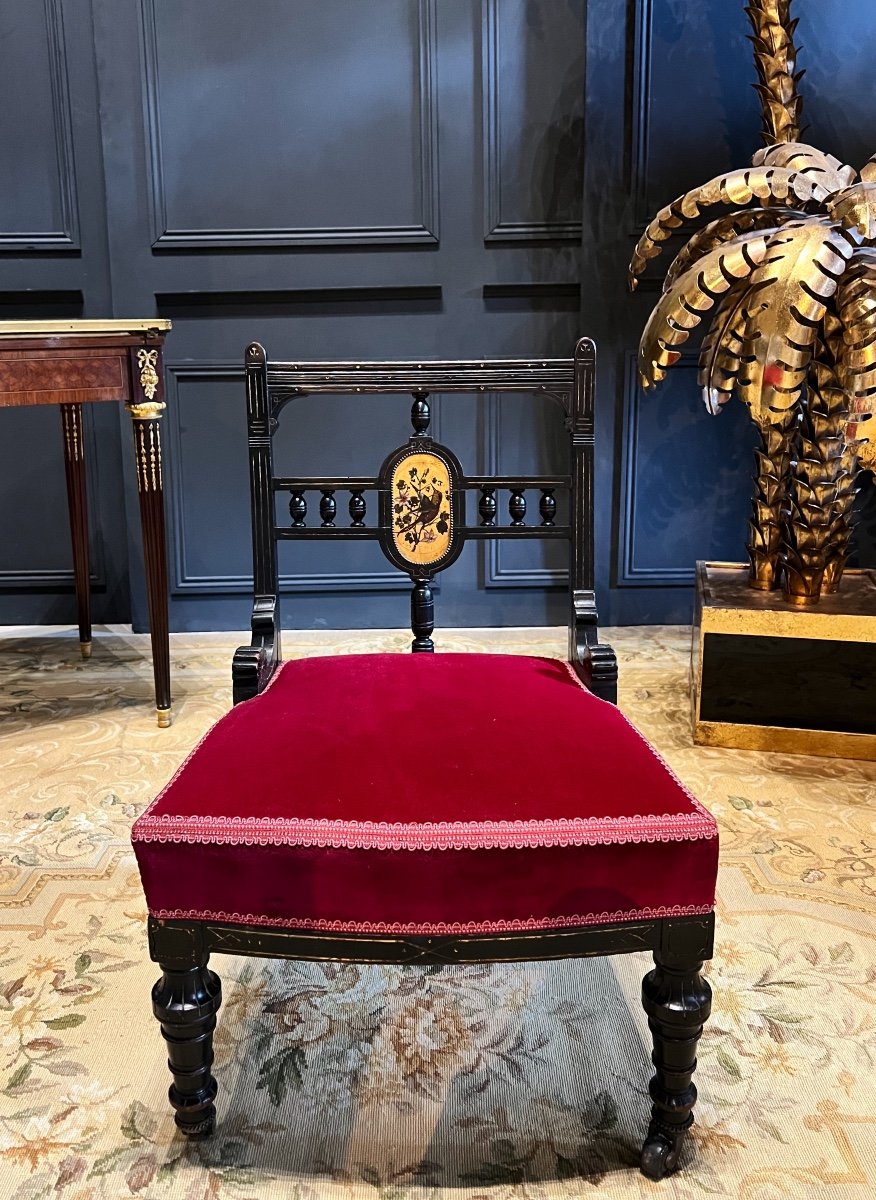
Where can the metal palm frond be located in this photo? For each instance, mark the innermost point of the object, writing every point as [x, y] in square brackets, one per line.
[808, 160]
[856, 351]
[721, 351]
[786, 304]
[734, 188]
[691, 297]
[727, 229]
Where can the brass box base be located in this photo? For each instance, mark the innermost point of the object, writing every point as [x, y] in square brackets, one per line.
[767, 675]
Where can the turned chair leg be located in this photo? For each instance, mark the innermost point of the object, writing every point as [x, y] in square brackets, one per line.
[677, 1000]
[186, 1003]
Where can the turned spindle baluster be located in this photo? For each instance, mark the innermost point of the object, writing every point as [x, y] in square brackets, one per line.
[356, 509]
[517, 507]
[422, 617]
[328, 508]
[487, 506]
[421, 414]
[547, 506]
[298, 509]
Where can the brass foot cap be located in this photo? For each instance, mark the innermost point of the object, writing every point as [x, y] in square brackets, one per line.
[762, 585]
[165, 717]
[801, 601]
[85, 648]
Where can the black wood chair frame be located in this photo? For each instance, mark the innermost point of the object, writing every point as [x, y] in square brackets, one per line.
[674, 994]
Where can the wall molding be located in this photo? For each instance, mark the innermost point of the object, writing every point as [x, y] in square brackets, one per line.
[629, 574]
[423, 232]
[47, 581]
[498, 575]
[67, 237]
[496, 228]
[62, 579]
[183, 581]
[639, 116]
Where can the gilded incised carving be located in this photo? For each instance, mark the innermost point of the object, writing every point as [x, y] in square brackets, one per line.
[787, 284]
[148, 449]
[72, 431]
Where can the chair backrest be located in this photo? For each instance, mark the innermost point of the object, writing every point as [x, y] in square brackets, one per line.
[419, 518]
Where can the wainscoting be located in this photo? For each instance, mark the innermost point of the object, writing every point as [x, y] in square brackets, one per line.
[386, 178]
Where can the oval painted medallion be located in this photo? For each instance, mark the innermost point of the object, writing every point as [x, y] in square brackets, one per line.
[422, 525]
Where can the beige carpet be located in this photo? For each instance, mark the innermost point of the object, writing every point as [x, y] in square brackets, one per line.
[338, 1081]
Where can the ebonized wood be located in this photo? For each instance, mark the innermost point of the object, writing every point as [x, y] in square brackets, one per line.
[187, 997]
[674, 994]
[273, 386]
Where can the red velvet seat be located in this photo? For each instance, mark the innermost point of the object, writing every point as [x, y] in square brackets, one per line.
[425, 794]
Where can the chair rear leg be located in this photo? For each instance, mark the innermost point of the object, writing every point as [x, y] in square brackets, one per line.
[186, 1003]
[678, 1001]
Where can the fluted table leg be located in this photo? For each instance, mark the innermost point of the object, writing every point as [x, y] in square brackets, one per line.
[74, 469]
[146, 417]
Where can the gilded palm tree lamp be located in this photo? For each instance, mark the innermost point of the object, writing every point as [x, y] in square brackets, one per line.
[784, 285]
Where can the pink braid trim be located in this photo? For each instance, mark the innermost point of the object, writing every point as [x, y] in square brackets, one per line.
[426, 835]
[439, 927]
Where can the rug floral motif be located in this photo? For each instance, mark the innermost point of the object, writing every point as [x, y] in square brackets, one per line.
[520, 1081]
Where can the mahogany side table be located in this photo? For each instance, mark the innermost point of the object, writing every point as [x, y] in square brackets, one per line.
[76, 362]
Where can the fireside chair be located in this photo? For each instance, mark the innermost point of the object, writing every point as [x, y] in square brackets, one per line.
[554, 829]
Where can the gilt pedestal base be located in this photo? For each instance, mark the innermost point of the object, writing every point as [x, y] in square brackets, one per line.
[766, 675]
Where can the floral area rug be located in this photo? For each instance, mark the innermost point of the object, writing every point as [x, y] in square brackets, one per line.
[517, 1081]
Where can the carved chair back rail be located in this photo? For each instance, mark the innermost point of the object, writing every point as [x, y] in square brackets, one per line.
[287, 834]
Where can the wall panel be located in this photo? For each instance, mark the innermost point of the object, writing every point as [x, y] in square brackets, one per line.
[39, 206]
[533, 98]
[338, 87]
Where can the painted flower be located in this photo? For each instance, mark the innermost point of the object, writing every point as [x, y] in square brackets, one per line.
[301, 1016]
[42, 965]
[90, 1094]
[731, 954]
[775, 1058]
[21, 1021]
[429, 1037]
[27, 1142]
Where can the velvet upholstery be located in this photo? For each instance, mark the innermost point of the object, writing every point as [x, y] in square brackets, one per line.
[425, 794]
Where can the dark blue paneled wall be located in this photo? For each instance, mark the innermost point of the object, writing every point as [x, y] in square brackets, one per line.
[435, 178]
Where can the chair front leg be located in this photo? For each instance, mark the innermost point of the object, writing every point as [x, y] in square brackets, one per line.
[678, 1001]
[186, 1002]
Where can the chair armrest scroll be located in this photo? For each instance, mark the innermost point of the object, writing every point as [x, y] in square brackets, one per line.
[253, 665]
[596, 667]
[251, 668]
[593, 662]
